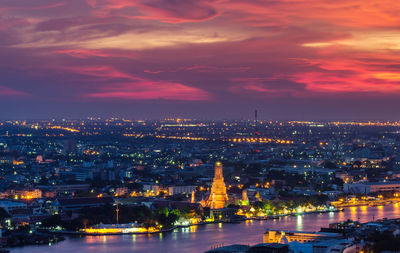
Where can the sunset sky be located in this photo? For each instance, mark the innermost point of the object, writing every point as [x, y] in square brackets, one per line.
[292, 59]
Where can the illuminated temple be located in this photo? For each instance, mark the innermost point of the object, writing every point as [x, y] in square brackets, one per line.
[218, 196]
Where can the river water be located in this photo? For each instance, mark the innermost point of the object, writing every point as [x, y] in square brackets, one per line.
[203, 237]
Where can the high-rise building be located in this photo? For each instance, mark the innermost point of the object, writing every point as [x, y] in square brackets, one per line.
[218, 196]
[256, 122]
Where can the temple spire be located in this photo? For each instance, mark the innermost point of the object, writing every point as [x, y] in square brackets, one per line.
[218, 196]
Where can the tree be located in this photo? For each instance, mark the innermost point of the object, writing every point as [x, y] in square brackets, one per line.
[329, 164]
[189, 213]
[258, 205]
[52, 221]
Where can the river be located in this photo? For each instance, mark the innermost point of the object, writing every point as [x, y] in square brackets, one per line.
[203, 237]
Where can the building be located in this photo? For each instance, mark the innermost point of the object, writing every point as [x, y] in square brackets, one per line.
[181, 189]
[65, 188]
[26, 194]
[368, 187]
[235, 248]
[326, 245]
[258, 248]
[154, 188]
[79, 203]
[218, 196]
[269, 248]
[287, 236]
[9, 205]
[121, 191]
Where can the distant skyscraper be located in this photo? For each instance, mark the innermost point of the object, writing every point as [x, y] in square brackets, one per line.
[256, 122]
[218, 196]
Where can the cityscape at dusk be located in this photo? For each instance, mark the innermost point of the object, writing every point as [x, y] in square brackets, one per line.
[210, 126]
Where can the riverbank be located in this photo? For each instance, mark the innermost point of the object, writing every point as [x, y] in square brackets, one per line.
[66, 232]
[104, 232]
[202, 238]
[361, 202]
[18, 239]
[294, 214]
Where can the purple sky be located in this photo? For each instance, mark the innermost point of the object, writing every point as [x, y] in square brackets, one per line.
[292, 59]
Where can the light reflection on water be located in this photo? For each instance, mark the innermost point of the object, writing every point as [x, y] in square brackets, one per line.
[201, 238]
[193, 229]
[299, 223]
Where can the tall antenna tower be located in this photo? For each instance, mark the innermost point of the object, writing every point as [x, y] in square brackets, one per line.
[256, 121]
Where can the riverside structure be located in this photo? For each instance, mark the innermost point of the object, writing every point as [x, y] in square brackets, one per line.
[203, 238]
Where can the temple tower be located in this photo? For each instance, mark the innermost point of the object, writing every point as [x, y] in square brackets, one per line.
[244, 196]
[218, 196]
[192, 199]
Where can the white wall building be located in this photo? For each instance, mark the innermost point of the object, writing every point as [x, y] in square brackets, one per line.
[181, 189]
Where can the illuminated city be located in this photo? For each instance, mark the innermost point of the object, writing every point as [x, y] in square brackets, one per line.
[114, 177]
[210, 126]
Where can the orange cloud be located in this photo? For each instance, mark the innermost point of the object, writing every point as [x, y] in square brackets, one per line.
[82, 53]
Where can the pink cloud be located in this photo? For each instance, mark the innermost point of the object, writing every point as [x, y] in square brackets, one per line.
[269, 54]
[115, 84]
[5, 91]
[355, 13]
[98, 72]
[339, 71]
[144, 89]
[202, 68]
[275, 86]
[172, 11]
[82, 53]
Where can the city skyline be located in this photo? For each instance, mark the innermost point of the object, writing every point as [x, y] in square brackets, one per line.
[214, 59]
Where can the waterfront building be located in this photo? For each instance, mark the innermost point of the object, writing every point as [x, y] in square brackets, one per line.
[323, 246]
[269, 247]
[218, 196]
[117, 229]
[287, 236]
[235, 248]
[258, 248]
[368, 187]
